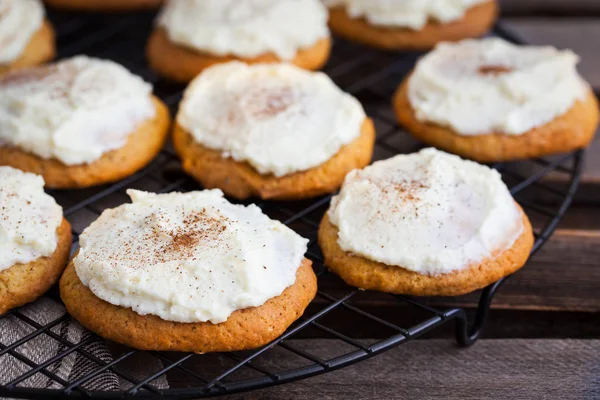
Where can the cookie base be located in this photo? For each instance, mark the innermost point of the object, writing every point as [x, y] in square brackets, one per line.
[142, 146]
[104, 5]
[182, 64]
[40, 49]
[241, 180]
[24, 283]
[571, 131]
[476, 21]
[372, 275]
[244, 329]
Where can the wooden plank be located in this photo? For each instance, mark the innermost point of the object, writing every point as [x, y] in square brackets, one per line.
[501, 324]
[556, 7]
[580, 217]
[437, 369]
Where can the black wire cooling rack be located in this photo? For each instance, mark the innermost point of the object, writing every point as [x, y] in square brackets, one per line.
[369, 75]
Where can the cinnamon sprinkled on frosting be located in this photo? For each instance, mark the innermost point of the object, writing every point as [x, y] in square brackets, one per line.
[494, 69]
[428, 212]
[262, 102]
[29, 218]
[187, 257]
[74, 110]
[487, 86]
[199, 229]
[277, 117]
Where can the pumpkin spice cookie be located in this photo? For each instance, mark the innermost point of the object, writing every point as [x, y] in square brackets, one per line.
[193, 35]
[79, 122]
[410, 24]
[35, 239]
[26, 37]
[272, 131]
[490, 100]
[104, 5]
[188, 272]
[424, 224]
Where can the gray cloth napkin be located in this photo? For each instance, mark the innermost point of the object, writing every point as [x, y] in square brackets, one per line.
[73, 366]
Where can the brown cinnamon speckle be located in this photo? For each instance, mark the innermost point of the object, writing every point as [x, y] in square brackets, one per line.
[494, 70]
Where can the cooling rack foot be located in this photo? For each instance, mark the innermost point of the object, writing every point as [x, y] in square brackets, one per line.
[465, 335]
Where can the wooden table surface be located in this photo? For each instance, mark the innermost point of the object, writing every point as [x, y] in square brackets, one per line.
[436, 369]
[542, 340]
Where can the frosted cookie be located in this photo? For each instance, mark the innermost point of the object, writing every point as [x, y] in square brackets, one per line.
[79, 122]
[410, 24]
[188, 272]
[104, 5]
[26, 37]
[273, 131]
[490, 100]
[424, 224]
[35, 239]
[193, 35]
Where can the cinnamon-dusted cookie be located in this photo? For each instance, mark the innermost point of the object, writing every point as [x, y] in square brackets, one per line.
[188, 272]
[35, 239]
[104, 5]
[272, 131]
[490, 100]
[410, 24]
[79, 122]
[424, 224]
[193, 35]
[26, 37]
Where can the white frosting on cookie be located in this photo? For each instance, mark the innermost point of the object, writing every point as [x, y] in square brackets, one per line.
[412, 14]
[429, 212]
[74, 110]
[489, 85]
[277, 117]
[187, 257]
[19, 21]
[29, 218]
[245, 28]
